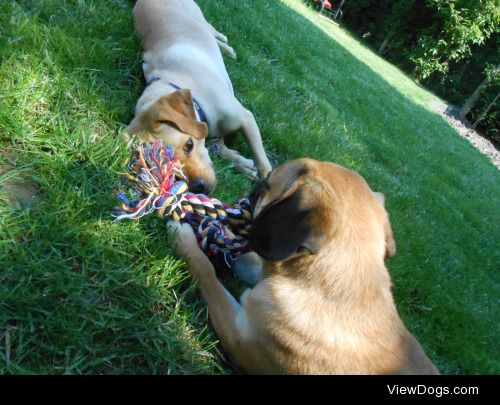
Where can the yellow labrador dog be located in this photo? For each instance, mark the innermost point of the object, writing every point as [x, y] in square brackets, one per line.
[189, 93]
[323, 304]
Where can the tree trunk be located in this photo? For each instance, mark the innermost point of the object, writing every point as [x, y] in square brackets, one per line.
[385, 42]
[483, 114]
[471, 101]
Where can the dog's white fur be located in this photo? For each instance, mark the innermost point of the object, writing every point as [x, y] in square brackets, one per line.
[181, 47]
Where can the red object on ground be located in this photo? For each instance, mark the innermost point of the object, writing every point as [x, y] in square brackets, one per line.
[326, 4]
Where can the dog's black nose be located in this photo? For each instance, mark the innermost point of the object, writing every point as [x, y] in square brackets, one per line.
[197, 185]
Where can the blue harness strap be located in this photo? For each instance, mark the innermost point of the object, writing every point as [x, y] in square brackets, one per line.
[196, 105]
[153, 79]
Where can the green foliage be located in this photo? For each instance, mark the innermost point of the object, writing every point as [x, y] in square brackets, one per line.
[80, 294]
[486, 113]
[447, 45]
[456, 29]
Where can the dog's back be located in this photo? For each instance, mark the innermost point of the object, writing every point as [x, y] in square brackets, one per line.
[169, 21]
[180, 44]
[305, 329]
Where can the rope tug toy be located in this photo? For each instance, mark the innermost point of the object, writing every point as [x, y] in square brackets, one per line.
[158, 180]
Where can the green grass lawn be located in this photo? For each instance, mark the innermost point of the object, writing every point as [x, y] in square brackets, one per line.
[81, 294]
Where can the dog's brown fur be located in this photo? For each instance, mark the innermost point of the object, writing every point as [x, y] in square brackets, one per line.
[324, 304]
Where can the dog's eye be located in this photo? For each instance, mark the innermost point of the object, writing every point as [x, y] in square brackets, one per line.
[188, 147]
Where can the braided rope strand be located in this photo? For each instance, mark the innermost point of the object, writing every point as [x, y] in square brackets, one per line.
[158, 181]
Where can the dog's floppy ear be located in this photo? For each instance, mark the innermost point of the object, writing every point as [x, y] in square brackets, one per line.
[390, 243]
[284, 229]
[175, 109]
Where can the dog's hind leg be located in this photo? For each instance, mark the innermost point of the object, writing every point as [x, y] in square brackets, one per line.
[222, 42]
[218, 35]
[226, 48]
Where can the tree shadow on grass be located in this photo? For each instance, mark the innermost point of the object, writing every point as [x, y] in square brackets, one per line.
[79, 293]
[82, 294]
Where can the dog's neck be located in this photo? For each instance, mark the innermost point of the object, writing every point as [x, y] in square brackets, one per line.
[341, 270]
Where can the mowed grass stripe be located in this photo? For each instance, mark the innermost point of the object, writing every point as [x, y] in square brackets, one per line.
[81, 294]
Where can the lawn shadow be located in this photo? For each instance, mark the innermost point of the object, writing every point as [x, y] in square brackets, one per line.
[83, 294]
[87, 295]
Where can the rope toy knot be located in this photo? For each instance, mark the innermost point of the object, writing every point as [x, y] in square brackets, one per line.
[159, 183]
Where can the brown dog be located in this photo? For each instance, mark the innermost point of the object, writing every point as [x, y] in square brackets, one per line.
[189, 93]
[324, 303]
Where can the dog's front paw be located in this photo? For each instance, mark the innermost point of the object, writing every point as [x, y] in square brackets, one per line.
[251, 173]
[183, 237]
[264, 169]
[248, 163]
